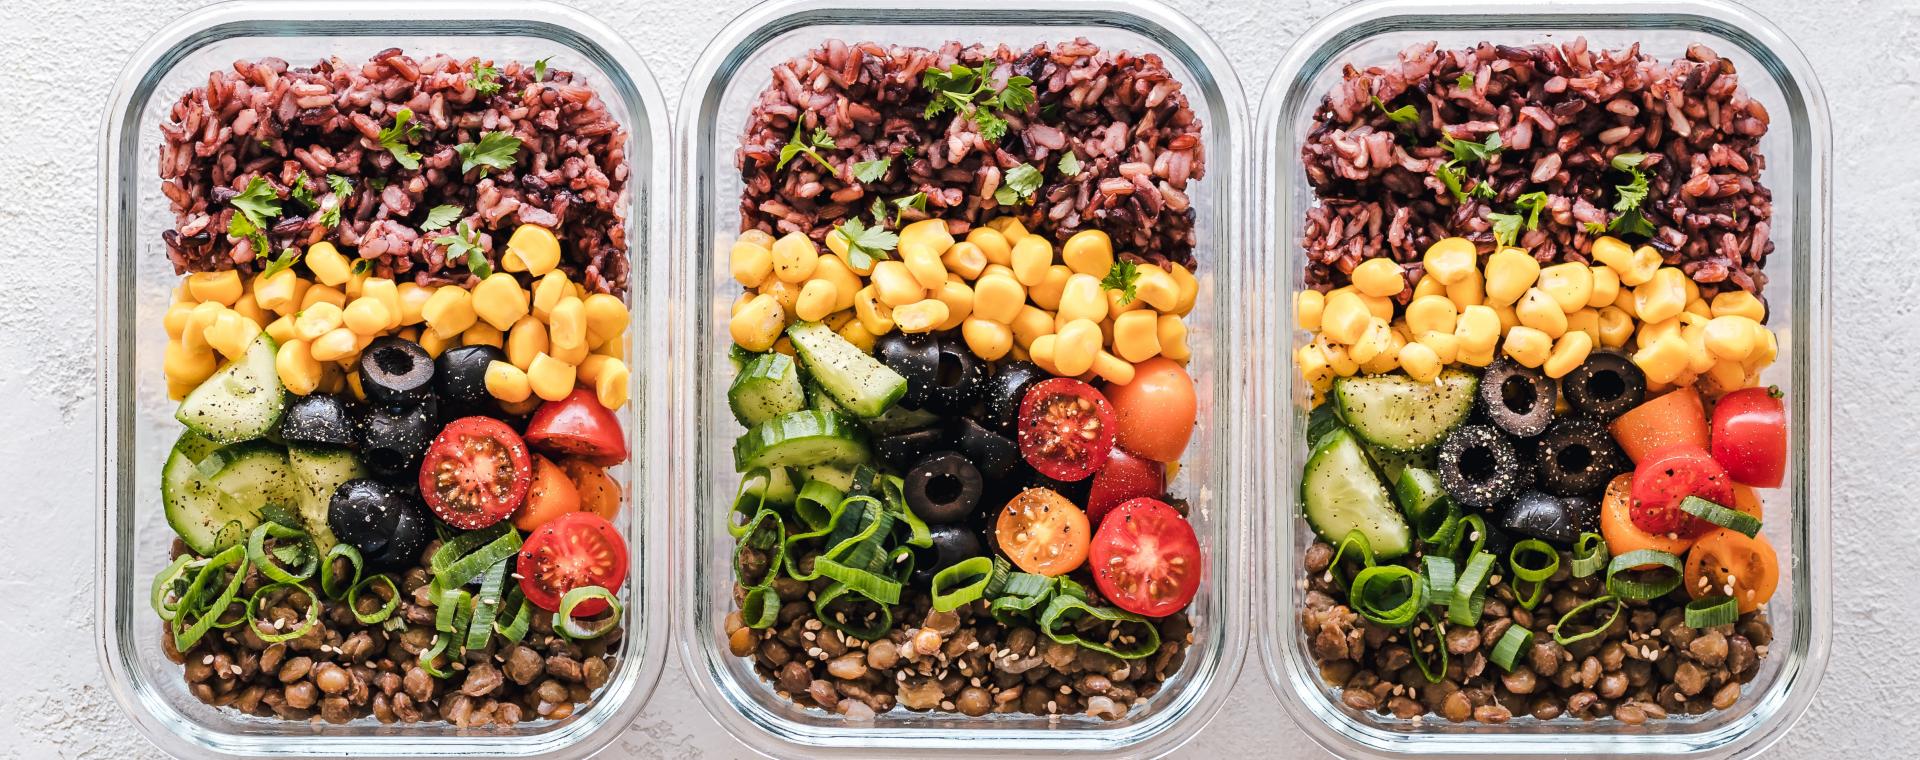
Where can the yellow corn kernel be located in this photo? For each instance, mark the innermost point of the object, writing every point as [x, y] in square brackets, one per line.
[299, 371]
[246, 306]
[794, 257]
[1508, 317]
[1450, 259]
[320, 319]
[1616, 328]
[607, 316]
[1510, 272]
[785, 293]
[895, 285]
[1136, 335]
[1088, 252]
[1112, 368]
[838, 319]
[1540, 311]
[923, 262]
[921, 316]
[965, 259]
[333, 379]
[1010, 228]
[567, 325]
[547, 291]
[1766, 348]
[412, 300]
[1308, 306]
[355, 282]
[409, 334]
[1379, 277]
[616, 345]
[987, 339]
[1081, 298]
[194, 334]
[758, 325]
[1155, 286]
[1606, 286]
[365, 316]
[507, 382]
[282, 329]
[1661, 298]
[998, 297]
[1613, 252]
[1337, 357]
[1032, 257]
[1344, 317]
[1586, 320]
[550, 378]
[1373, 340]
[275, 292]
[757, 237]
[875, 316]
[328, 265]
[483, 334]
[1388, 359]
[499, 300]
[1693, 294]
[1568, 353]
[992, 244]
[1528, 346]
[1079, 342]
[1726, 376]
[1652, 331]
[354, 385]
[1738, 303]
[221, 287]
[588, 370]
[856, 333]
[1469, 291]
[1664, 359]
[1625, 303]
[611, 386]
[1699, 358]
[1444, 345]
[1431, 314]
[845, 282]
[959, 300]
[1478, 329]
[1173, 338]
[751, 264]
[931, 233]
[1029, 325]
[1419, 361]
[1475, 358]
[1698, 306]
[1313, 365]
[816, 300]
[1046, 295]
[1115, 306]
[993, 269]
[1731, 337]
[1042, 353]
[1189, 288]
[321, 294]
[1644, 263]
[527, 339]
[433, 344]
[1429, 286]
[532, 249]
[335, 345]
[188, 367]
[577, 354]
[1570, 284]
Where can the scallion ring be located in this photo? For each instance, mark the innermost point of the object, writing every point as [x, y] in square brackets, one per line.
[1431, 657]
[882, 616]
[1472, 528]
[760, 608]
[1057, 623]
[329, 584]
[440, 643]
[1731, 519]
[275, 635]
[185, 634]
[1560, 628]
[860, 580]
[814, 505]
[1358, 544]
[748, 501]
[1511, 645]
[516, 624]
[961, 583]
[486, 605]
[258, 555]
[765, 533]
[1390, 595]
[1441, 577]
[1625, 574]
[572, 628]
[450, 607]
[1470, 592]
[1709, 611]
[164, 585]
[452, 569]
[1439, 535]
[1589, 555]
[386, 610]
[1536, 576]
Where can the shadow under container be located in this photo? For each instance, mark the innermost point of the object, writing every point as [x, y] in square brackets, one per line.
[136, 425]
[719, 97]
[1796, 147]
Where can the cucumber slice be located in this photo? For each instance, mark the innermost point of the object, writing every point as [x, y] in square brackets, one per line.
[800, 439]
[818, 400]
[1340, 493]
[767, 387]
[208, 512]
[831, 474]
[1418, 491]
[240, 402]
[855, 380]
[1391, 463]
[1400, 413]
[900, 419]
[782, 486]
[317, 472]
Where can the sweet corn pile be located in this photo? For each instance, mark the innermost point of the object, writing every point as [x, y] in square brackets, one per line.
[1548, 318]
[555, 335]
[1009, 293]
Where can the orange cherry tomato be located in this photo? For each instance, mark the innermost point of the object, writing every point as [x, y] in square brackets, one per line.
[551, 495]
[1727, 560]
[1156, 411]
[1616, 523]
[1677, 417]
[1043, 533]
[1747, 500]
[599, 492]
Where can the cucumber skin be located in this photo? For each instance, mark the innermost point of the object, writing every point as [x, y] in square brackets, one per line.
[763, 445]
[268, 376]
[767, 387]
[1366, 430]
[1391, 513]
[833, 364]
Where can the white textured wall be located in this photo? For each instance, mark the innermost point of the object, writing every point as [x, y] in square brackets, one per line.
[56, 61]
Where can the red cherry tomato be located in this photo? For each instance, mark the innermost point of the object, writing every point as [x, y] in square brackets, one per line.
[475, 473]
[1065, 428]
[1125, 477]
[1669, 476]
[1146, 559]
[570, 551]
[578, 426]
[1750, 436]
[1672, 419]
[1156, 411]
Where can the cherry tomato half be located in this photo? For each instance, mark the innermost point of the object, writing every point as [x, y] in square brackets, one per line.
[599, 492]
[1727, 559]
[570, 551]
[551, 495]
[1066, 428]
[1156, 411]
[578, 426]
[475, 473]
[1617, 527]
[1670, 475]
[1146, 559]
[1125, 477]
[1675, 418]
[1750, 436]
[1042, 532]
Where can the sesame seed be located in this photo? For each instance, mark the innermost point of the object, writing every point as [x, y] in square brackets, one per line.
[207, 660]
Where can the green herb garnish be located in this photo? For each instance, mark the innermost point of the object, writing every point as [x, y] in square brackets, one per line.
[1631, 221]
[1070, 165]
[1465, 81]
[486, 78]
[1596, 228]
[970, 91]
[398, 139]
[914, 201]
[465, 243]
[866, 245]
[1468, 151]
[1455, 178]
[495, 150]
[870, 171]
[341, 187]
[286, 260]
[1018, 185]
[299, 191]
[809, 146]
[1406, 114]
[439, 217]
[1532, 202]
[1123, 276]
[1506, 227]
[361, 266]
[253, 208]
[540, 69]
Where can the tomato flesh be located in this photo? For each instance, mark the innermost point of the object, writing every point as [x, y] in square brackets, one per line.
[1124, 478]
[1728, 562]
[1156, 411]
[1043, 533]
[1669, 476]
[1750, 437]
[1618, 528]
[571, 551]
[599, 492]
[1673, 419]
[578, 426]
[1146, 558]
[1066, 428]
[551, 495]
[475, 473]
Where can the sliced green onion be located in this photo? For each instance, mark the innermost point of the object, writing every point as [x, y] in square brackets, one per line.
[761, 607]
[834, 619]
[450, 608]
[1731, 519]
[1024, 597]
[1532, 598]
[1512, 643]
[1628, 578]
[961, 583]
[1066, 608]
[169, 583]
[1589, 555]
[1441, 578]
[185, 634]
[274, 636]
[1439, 535]
[997, 580]
[1433, 660]
[440, 643]
[865, 582]
[1538, 547]
[385, 611]
[1026, 584]
[517, 623]
[1358, 544]
[763, 533]
[1709, 611]
[462, 559]
[571, 628]
[814, 504]
[486, 605]
[748, 502]
[917, 533]
[1470, 593]
[1390, 595]
[1560, 628]
[329, 585]
[1472, 528]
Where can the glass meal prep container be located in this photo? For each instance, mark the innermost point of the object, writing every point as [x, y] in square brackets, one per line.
[136, 424]
[730, 74]
[1796, 147]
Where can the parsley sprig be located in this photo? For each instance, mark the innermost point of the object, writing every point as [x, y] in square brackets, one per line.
[1631, 221]
[971, 92]
[810, 146]
[1468, 151]
[495, 150]
[1406, 114]
[540, 69]
[1506, 227]
[1069, 165]
[1018, 185]
[870, 171]
[866, 245]
[341, 187]
[254, 208]
[439, 217]
[398, 139]
[1122, 276]
[465, 243]
[486, 78]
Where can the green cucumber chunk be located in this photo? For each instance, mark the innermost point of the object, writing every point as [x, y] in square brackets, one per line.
[241, 401]
[318, 471]
[1340, 493]
[1403, 414]
[856, 381]
[767, 387]
[800, 439]
[208, 512]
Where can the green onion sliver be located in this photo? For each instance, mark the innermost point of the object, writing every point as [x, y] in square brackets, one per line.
[274, 635]
[1431, 657]
[1626, 574]
[1589, 555]
[1441, 577]
[515, 625]
[440, 643]
[164, 587]
[450, 608]
[571, 628]
[1442, 533]
[1470, 592]
[760, 608]
[814, 505]
[765, 532]
[961, 583]
[1560, 633]
[1709, 611]
[386, 610]
[329, 584]
[1512, 644]
[1532, 599]
[1356, 542]
[185, 634]
[1021, 598]
[1390, 595]
[860, 580]
[1731, 519]
[1056, 623]
[463, 558]
[748, 501]
[997, 580]
[1472, 528]
[486, 605]
[257, 552]
[874, 631]
[1533, 546]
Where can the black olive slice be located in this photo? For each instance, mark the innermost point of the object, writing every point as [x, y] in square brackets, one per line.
[1578, 457]
[1606, 385]
[1479, 466]
[1517, 399]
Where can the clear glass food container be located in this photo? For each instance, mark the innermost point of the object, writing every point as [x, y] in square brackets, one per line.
[729, 75]
[1796, 146]
[135, 418]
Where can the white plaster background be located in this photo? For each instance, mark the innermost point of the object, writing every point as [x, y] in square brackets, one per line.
[57, 60]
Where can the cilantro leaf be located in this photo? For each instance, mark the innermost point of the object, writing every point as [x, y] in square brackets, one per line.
[971, 92]
[914, 201]
[1532, 202]
[540, 69]
[1627, 162]
[341, 187]
[464, 244]
[1596, 228]
[398, 139]
[1069, 165]
[907, 153]
[240, 226]
[1122, 276]
[1016, 95]
[1506, 228]
[992, 127]
[486, 78]
[439, 217]
[1451, 177]
[870, 171]
[1018, 185]
[1631, 221]
[1465, 82]
[300, 192]
[879, 212]
[866, 245]
[808, 145]
[1406, 114]
[286, 260]
[495, 150]
[259, 201]
[1467, 151]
